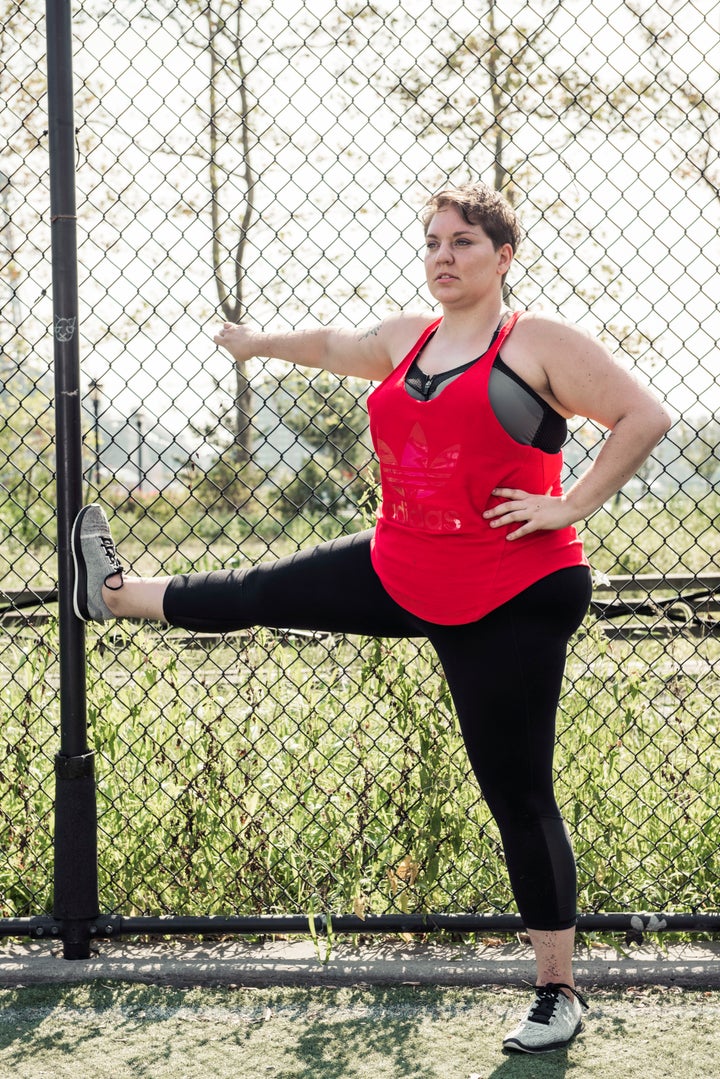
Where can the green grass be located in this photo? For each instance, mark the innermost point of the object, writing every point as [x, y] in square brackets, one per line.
[111, 1031]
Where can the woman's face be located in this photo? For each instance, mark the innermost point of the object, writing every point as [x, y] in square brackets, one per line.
[461, 263]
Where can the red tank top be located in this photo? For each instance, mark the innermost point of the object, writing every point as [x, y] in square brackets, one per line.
[439, 462]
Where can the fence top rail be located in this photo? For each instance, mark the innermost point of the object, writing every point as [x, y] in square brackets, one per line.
[14, 600]
[653, 582]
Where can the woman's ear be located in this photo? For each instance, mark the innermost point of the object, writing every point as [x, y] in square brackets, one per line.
[505, 256]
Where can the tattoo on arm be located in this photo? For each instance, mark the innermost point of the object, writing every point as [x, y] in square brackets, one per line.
[372, 332]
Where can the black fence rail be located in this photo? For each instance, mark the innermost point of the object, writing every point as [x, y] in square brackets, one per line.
[652, 605]
[165, 168]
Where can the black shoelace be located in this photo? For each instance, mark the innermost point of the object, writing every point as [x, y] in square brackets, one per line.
[547, 998]
[111, 554]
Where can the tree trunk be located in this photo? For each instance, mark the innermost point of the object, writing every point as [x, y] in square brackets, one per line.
[231, 299]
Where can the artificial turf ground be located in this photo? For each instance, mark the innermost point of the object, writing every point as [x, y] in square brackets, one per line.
[113, 1031]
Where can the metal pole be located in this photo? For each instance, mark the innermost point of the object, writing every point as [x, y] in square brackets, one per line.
[140, 453]
[96, 420]
[11, 304]
[95, 394]
[139, 417]
[75, 876]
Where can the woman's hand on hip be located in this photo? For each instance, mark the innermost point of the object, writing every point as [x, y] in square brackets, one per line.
[533, 512]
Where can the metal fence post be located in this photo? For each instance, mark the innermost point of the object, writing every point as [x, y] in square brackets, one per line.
[76, 878]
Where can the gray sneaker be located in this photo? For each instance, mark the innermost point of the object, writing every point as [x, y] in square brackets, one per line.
[551, 1023]
[95, 560]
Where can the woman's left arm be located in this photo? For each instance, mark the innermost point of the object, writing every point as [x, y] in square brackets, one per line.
[583, 379]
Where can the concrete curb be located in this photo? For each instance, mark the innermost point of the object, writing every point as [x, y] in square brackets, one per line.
[296, 963]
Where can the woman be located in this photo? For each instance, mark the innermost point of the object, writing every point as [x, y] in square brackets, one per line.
[474, 546]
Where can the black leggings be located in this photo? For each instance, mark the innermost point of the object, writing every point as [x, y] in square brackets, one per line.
[504, 671]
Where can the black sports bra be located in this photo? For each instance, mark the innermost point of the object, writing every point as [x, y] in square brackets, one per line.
[521, 412]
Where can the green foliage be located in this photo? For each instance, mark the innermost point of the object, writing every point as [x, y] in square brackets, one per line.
[330, 422]
[28, 669]
[260, 774]
[678, 534]
[27, 464]
[228, 486]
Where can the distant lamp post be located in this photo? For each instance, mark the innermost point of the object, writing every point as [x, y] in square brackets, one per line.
[96, 401]
[8, 249]
[139, 420]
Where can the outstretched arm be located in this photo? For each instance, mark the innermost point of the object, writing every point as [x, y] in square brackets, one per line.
[370, 353]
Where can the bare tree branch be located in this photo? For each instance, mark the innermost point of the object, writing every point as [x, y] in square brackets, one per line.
[232, 302]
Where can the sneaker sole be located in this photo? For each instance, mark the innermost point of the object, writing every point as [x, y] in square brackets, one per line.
[80, 582]
[517, 1047]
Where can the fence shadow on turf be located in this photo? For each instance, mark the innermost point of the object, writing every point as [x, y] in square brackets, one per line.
[58, 1022]
[549, 1066]
[384, 1025]
[391, 1028]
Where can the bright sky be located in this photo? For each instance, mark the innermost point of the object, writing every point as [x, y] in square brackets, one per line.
[338, 236]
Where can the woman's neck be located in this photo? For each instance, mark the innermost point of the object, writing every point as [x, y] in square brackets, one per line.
[460, 340]
[463, 329]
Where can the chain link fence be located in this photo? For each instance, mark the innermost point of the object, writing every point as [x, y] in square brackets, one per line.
[245, 160]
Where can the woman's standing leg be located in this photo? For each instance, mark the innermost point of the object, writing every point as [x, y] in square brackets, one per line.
[505, 674]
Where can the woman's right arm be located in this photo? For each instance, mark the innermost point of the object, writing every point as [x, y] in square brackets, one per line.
[371, 353]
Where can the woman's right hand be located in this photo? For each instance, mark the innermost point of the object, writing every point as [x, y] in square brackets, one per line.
[239, 340]
[369, 354]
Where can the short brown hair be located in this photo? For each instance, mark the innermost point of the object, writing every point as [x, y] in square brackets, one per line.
[480, 205]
